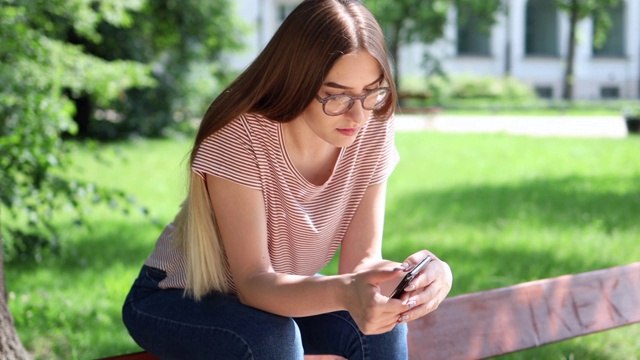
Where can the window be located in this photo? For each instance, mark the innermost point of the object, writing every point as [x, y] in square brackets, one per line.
[541, 32]
[609, 92]
[284, 10]
[473, 36]
[544, 92]
[613, 43]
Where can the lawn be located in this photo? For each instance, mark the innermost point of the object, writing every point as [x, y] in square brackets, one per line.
[500, 209]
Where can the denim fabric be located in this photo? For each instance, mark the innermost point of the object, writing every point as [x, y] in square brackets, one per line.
[171, 326]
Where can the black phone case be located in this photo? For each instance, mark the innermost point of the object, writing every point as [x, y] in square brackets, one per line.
[407, 279]
[403, 284]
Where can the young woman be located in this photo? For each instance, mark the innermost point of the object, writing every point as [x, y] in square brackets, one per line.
[290, 163]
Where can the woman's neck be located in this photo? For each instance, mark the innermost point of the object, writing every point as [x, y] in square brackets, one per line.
[313, 157]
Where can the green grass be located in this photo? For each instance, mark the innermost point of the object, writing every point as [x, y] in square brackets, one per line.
[500, 209]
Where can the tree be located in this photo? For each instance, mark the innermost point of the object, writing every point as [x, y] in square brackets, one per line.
[579, 10]
[62, 59]
[37, 69]
[10, 345]
[422, 21]
[175, 37]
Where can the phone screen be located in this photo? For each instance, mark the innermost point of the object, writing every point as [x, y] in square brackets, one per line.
[410, 275]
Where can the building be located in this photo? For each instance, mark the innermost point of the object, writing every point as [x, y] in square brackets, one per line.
[529, 41]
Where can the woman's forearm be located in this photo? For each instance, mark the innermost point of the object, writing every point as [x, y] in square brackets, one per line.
[294, 295]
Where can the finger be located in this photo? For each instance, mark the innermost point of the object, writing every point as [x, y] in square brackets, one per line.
[380, 275]
[418, 311]
[422, 294]
[379, 329]
[422, 281]
[437, 271]
[415, 258]
[434, 299]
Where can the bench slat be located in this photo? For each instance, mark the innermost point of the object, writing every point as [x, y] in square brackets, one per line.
[519, 317]
[146, 356]
[133, 356]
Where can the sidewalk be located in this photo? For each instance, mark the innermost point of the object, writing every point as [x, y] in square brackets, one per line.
[576, 126]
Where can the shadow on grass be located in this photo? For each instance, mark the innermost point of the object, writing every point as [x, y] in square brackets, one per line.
[124, 242]
[114, 242]
[612, 202]
[555, 207]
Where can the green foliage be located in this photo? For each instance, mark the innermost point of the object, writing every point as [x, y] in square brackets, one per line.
[598, 9]
[484, 87]
[475, 95]
[448, 90]
[423, 21]
[182, 41]
[408, 21]
[37, 69]
[66, 63]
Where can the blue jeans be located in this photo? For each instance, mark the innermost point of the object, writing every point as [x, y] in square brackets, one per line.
[171, 326]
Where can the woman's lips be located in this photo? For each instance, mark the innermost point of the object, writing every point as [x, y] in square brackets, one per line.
[348, 131]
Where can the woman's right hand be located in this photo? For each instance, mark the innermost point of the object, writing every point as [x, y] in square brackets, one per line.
[373, 312]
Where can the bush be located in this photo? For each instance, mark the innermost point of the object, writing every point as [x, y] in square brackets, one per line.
[39, 70]
[505, 89]
[184, 45]
[449, 91]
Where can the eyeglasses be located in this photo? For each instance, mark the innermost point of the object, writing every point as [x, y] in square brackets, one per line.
[335, 105]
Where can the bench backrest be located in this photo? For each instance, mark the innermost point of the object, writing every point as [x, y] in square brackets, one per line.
[500, 321]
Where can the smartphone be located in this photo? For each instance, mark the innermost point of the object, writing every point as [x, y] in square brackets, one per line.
[410, 275]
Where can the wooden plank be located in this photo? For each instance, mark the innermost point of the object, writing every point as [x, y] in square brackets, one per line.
[518, 317]
[147, 356]
[133, 356]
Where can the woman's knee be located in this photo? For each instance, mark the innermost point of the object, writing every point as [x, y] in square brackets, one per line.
[390, 345]
[281, 343]
[276, 339]
[337, 333]
[252, 334]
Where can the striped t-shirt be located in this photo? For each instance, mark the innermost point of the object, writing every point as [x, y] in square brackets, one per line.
[305, 222]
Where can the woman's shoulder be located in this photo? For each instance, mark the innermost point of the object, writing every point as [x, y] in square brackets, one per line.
[259, 128]
[243, 125]
[253, 122]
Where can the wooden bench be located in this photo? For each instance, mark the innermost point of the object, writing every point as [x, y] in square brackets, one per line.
[518, 317]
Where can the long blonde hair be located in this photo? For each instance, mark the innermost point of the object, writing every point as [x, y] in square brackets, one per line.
[279, 85]
[197, 234]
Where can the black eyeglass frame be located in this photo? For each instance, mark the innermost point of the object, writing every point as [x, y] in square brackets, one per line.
[352, 100]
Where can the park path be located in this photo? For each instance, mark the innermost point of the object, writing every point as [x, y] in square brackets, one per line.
[574, 126]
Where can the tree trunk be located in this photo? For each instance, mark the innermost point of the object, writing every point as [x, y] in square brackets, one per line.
[567, 91]
[507, 46]
[82, 117]
[10, 346]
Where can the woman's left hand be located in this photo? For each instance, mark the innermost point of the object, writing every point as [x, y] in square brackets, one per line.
[427, 290]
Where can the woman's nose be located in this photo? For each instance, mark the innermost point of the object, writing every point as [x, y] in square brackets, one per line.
[357, 112]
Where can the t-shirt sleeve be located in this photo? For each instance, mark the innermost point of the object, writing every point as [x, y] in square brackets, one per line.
[389, 156]
[229, 154]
